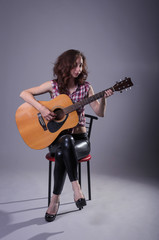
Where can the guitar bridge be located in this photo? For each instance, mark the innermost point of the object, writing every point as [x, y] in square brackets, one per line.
[41, 121]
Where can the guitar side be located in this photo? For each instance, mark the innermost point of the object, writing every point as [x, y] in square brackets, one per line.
[30, 129]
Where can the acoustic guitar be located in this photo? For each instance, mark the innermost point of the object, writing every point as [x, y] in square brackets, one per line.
[39, 133]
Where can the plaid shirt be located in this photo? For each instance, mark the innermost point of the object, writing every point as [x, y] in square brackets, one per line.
[79, 94]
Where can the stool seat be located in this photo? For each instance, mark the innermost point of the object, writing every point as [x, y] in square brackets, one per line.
[49, 157]
[52, 158]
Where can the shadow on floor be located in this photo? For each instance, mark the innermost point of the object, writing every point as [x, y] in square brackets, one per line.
[7, 227]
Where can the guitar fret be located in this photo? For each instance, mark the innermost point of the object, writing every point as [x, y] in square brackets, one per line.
[69, 109]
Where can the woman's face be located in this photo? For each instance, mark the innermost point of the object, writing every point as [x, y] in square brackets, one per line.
[75, 72]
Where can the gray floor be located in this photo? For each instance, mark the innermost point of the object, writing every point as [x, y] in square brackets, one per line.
[120, 209]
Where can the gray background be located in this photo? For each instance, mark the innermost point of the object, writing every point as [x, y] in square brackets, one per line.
[119, 39]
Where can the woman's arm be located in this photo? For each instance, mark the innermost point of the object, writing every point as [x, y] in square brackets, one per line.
[99, 107]
[28, 96]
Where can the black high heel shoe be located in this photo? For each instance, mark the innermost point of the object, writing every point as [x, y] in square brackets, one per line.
[51, 217]
[80, 203]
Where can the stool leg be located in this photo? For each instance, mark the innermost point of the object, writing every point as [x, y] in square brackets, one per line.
[89, 180]
[49, 182]
[79, 173]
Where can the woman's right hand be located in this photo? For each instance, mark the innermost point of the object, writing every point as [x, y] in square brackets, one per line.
[47, 114]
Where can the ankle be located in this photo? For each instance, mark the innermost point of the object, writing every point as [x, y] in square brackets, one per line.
[54, 204]
[77, 190]
[76, 186]
[55, 198]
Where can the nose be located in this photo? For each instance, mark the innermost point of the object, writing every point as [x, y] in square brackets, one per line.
[78, 69]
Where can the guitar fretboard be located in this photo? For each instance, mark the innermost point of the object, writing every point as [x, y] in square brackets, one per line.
[119, 86]
[85, 101]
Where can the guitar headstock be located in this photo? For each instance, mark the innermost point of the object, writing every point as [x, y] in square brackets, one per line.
[124, 84]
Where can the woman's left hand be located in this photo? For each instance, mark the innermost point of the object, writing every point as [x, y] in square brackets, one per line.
[108, 93]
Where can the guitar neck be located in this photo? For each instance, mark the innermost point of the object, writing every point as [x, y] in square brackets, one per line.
[85, 101]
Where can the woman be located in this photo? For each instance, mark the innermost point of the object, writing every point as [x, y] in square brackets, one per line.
[71, 73]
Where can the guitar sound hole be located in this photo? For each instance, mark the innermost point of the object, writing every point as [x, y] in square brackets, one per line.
[59, 113]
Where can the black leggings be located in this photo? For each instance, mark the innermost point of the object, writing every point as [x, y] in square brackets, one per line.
[68, 149]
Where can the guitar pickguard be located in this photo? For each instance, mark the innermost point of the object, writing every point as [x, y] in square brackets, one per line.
[54, 126]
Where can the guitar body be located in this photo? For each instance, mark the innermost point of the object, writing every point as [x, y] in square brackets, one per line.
[39, 135]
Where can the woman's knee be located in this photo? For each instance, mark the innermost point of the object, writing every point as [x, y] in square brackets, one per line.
[67, 141]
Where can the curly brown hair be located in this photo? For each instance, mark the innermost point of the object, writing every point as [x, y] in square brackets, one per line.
[63, 65]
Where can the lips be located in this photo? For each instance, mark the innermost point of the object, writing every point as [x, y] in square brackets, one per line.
[76, 74]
